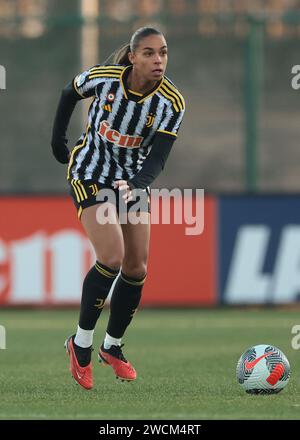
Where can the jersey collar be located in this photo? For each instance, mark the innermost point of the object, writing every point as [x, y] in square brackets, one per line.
[134, 96]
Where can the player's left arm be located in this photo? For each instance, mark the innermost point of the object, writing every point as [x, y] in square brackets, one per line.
[164, 139]
[152, 167]
[155, 162]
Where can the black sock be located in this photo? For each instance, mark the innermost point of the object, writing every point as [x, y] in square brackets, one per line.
[83, 355]
[125, 299]
[96, 287]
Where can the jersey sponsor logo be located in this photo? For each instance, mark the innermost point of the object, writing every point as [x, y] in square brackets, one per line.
[150, 120]
[120, 140]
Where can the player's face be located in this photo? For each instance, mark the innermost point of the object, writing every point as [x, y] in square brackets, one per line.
[151, 57]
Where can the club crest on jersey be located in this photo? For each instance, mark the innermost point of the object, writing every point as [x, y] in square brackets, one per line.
[150, 120]
[120, 140]
[110, 97]
[94, 189]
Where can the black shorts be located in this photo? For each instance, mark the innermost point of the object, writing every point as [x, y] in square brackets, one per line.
[87, 193]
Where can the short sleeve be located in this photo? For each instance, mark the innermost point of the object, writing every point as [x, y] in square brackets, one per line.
[86, 83]
[171, 122]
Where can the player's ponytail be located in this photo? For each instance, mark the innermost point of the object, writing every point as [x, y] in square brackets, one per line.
[120, 56]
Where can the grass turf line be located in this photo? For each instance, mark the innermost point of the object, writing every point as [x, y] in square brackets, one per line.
[185, 360]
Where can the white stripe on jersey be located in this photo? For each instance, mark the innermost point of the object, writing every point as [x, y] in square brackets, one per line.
[139, 128]
[96, 154]
[110, 119]
[143, 153]
[143, 116]
[163, 100]
[178, 122]
[92, 111]
[92, 83]
[145, 150]
[106, 165]
[157, 121]
[123, 129]
[117, 102]
[127, 117]
[169, 114]
[84, 151]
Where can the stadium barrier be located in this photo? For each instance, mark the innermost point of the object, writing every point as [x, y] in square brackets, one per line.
[248, 253]
[45, 255]
[259, 249]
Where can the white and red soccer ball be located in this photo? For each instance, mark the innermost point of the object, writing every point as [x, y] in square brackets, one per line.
[263, 369]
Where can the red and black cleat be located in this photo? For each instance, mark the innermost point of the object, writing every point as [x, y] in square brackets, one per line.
[115, 358]
[82, 375]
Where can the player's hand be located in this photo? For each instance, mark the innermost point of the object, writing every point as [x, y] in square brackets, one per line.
[123, 186]
[60, 150]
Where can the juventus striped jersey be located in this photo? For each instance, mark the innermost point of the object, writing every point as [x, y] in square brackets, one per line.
[122, 124]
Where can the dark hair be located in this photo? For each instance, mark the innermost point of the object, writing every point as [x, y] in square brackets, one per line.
[120, 56]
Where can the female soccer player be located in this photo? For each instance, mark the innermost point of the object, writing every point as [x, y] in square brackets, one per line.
[133, 122]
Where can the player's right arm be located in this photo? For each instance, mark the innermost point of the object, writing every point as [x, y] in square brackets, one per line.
[66, 105]
[83, 86]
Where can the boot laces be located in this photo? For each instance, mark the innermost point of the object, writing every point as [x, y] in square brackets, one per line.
[117, 349]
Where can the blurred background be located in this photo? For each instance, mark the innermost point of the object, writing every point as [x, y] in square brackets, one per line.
[232, 61]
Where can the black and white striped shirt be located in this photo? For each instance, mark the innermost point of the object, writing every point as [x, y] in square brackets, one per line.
[122, 124]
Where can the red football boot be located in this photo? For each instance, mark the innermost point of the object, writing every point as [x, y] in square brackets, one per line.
[115, 358]
[82, 375]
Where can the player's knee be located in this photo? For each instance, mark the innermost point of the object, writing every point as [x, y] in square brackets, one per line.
[137, 270]
[114, 261]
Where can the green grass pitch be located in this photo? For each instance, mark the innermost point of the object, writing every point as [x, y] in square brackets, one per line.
[185, 360]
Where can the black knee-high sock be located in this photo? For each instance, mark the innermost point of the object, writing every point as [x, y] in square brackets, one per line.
[125, 299]
[96, 287]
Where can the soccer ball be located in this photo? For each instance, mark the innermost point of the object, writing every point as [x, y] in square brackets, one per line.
[263, 369]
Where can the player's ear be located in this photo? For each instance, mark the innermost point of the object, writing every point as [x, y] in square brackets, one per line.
[131, 57]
